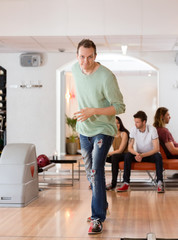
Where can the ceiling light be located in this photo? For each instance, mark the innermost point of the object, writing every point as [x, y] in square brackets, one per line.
[149, 74]
[61, 49]
[124, 49]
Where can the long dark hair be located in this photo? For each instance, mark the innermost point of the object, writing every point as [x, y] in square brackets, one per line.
[158, 118]
[122, 128]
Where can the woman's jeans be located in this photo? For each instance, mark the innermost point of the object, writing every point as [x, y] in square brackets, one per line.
[155, 158]
[94, 151]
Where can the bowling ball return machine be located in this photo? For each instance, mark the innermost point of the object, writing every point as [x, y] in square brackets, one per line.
[18, 175]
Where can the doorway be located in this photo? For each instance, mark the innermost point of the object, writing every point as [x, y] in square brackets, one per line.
[138, 82]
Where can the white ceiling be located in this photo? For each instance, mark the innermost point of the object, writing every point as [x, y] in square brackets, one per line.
[104, 44]
[112, 43]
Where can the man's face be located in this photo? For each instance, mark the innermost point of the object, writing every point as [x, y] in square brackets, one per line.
[166, 118]
[86, 58]
[139, 124]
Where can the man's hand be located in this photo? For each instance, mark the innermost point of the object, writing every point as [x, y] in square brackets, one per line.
[138, 158]
[84, 114]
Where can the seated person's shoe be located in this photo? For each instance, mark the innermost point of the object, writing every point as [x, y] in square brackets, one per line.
[174, 176]
[109, 187]
[95, 227]
[160, 188]
[123, 188]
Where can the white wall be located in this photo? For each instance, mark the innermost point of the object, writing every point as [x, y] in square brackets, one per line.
[31, 113]
[168, 95]
[139, 93]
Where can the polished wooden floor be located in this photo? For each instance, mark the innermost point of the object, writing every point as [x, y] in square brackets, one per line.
[60, 212]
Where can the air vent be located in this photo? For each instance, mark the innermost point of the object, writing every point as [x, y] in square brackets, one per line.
[31, 60]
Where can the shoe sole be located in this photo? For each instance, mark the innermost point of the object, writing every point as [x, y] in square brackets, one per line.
[161, 191]
[93, 233]
[112, 189]
[122, 190]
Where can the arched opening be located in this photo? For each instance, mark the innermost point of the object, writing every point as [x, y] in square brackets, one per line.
[137, 79]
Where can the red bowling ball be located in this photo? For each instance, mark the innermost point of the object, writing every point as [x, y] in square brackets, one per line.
[42, 160]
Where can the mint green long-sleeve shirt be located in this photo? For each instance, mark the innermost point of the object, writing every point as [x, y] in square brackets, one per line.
[97, 90]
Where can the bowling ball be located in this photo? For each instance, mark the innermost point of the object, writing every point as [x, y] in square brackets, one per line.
[42, 161]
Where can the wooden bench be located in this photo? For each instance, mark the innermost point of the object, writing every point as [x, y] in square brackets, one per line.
[168, 164]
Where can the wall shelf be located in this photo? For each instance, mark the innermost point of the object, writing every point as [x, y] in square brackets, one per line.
[31, 86]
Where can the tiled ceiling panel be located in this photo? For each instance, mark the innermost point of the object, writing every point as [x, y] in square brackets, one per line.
[103, 43]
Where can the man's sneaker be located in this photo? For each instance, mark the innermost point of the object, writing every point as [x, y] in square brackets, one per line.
[109, 187]
[95, 227]
[89, 219]
[123, 188]
[160, 188]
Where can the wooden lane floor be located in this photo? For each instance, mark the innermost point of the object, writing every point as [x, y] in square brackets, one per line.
[60, 212]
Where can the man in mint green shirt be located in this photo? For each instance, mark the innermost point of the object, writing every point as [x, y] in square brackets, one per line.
[99, 99]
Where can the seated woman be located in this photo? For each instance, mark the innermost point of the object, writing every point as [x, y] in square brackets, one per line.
[170, 146]
[120, 145]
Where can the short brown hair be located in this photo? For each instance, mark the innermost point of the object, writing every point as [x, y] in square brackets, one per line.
[86, 43]
[142, 115]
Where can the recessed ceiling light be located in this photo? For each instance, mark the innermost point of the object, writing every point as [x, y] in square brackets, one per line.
[61, 49]
[124, 49]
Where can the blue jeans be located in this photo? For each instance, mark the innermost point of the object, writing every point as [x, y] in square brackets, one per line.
[94, 151]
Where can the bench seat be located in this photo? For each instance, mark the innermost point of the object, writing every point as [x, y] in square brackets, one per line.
[168, 164]
[139, 166]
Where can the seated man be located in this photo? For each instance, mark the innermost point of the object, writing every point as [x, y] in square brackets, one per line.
[143, 147]
[170, 146]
